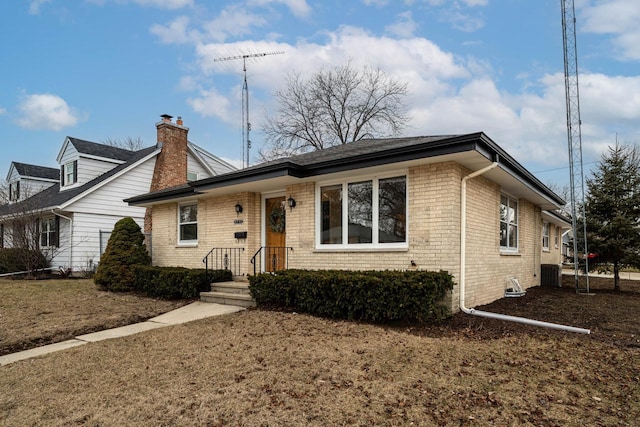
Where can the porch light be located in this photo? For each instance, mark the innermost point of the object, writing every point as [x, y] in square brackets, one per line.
[291, 202]
[238, 208]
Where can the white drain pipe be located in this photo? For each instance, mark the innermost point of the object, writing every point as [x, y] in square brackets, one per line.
[463, 265]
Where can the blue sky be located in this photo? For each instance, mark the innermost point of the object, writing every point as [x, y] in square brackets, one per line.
[99, 69]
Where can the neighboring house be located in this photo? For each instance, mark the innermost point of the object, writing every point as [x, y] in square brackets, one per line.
[75, 215]
[24, 180]
[373, 204]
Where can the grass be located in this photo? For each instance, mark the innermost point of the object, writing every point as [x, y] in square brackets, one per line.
[270, 368]
[38, 312]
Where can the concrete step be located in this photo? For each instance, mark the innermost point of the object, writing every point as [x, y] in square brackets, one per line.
[235, 287]
[227, 298]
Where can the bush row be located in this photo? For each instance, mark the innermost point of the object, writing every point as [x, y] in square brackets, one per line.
[17, 259]
[377, 296]
[174, 282]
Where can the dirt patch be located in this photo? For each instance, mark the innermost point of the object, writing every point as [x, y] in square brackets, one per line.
[263, 368]
[39, 312]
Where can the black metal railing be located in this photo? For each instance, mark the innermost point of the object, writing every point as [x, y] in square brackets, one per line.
[275, 258]
[223, 259]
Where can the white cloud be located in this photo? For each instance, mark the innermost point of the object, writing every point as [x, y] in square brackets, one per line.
[404, 26]
[34, 6]
[161, 4]
[2, 111]
[45, 111]
[378, 3]
[210, 103]
[619, 18]
[233, 21]
[176, 32]
[299, 8]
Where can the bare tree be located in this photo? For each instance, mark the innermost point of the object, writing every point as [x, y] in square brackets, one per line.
[128, 143]
[332, 107]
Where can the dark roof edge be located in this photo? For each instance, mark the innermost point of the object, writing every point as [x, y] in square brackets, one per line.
[515, 168]
[162, 195]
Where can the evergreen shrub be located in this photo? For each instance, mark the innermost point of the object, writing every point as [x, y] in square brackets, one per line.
[175, 282]
[125, 249]
[376, 296]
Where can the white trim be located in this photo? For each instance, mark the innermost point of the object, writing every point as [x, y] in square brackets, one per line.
[108, 180]
[345, 246]
[509, 249]
[182, 243]
[548, 236]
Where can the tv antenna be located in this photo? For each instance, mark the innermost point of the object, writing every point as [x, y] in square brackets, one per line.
[246, 124]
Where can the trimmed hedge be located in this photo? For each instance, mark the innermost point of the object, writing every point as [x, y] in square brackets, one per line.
[17, 259]
[174, 282]
[376, 296]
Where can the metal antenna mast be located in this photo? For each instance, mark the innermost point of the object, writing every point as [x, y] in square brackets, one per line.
[574, 134]
[246, 124]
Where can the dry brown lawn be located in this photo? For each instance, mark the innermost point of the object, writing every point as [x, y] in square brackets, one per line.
[267, 368]
[38, 312]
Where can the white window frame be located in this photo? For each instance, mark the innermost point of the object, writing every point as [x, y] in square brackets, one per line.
[71, 165]
[546, 236]
[375, 245]
[516, 202]
[193, 242]
[48, 228]
[196, 174]
[557, 237]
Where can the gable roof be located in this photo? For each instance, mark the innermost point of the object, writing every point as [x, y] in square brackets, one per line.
[35, 171]
[472, 151]
[53, 198]
[96, 149]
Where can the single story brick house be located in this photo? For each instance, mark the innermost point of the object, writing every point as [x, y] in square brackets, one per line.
[373, 204]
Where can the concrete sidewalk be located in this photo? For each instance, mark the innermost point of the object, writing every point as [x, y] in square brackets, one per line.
[188, 313]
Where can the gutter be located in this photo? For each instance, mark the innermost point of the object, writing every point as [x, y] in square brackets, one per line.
[463, 264]
[70, 234]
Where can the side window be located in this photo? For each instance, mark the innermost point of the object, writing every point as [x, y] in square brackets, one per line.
[545, 236]
[508, 223]
[188, 223]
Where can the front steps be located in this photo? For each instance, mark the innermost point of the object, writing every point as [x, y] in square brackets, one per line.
[229, 293]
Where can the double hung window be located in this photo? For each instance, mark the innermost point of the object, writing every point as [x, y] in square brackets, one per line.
[48, 233]
[365, 213]
[545, 236]
[508, 223]
[188, 223]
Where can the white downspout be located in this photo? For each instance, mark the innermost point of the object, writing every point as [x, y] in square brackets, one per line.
[463, 264]
[70, 234]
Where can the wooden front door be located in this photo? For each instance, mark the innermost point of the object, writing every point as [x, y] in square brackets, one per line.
[275, 252]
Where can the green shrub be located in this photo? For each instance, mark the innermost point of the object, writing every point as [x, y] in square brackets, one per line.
[174, 282]
[377, 296]
[17, 259]
[125, 249]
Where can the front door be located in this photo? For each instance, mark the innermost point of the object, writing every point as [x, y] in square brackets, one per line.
[275, 253]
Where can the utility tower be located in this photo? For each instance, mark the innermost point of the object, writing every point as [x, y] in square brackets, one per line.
[574, 134]
[246, 124]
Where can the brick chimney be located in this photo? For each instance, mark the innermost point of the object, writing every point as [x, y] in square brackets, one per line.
[171, 163]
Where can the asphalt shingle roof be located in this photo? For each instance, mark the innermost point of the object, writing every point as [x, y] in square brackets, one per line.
[36, 171]
[101, 150]
[52, 197]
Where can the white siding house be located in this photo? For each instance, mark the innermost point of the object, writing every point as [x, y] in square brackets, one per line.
[87, 201]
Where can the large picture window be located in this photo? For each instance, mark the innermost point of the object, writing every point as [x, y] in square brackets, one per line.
[188, 223]
[508, 223]
[363, 213]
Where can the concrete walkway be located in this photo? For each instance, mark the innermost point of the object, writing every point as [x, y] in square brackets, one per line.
[624, 275]
[188, 313]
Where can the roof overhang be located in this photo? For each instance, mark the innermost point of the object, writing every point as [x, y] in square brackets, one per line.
[472, 151]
